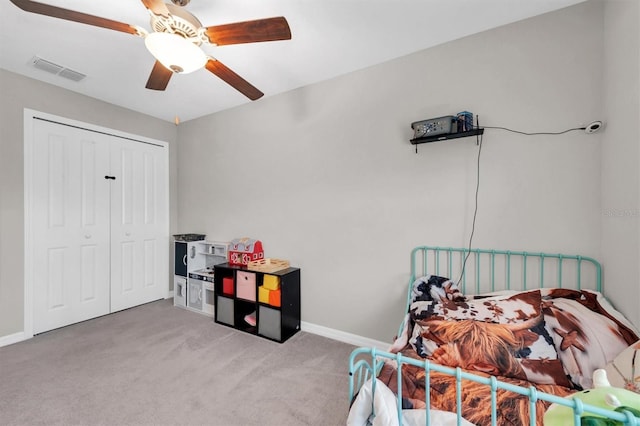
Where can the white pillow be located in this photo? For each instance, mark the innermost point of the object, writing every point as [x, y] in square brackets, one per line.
[384, 404]
[624, 370]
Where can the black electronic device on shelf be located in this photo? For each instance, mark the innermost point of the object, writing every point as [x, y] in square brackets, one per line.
[444, 128]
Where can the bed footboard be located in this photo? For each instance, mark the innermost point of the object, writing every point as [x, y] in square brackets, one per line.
[363, 362]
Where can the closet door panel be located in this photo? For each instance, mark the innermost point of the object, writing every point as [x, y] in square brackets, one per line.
[89, 266]
[69, 225]
[55, 284]
[139, 229]
[150, 264]
[127, 267]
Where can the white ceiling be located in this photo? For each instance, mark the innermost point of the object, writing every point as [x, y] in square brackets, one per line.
[329, 38]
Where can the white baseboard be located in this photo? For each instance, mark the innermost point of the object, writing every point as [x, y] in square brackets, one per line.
[342, 336]
[10, 339]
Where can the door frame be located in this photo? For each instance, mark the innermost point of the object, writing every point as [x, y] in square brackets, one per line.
[29, 116]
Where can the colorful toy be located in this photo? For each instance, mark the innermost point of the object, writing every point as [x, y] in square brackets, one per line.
[603, 395]
[245, 250]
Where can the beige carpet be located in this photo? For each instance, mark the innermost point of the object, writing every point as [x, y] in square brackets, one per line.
[156, 364]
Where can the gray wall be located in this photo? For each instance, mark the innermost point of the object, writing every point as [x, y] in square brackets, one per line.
[325, 176]
[621, 155]
[17, 93]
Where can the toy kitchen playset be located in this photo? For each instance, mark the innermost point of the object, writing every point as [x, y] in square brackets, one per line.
[193, 284]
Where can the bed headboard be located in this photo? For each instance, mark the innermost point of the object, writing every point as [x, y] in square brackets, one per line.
[493, 270]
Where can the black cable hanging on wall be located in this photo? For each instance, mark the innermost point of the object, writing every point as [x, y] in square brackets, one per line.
[475, 209]
[593, 127]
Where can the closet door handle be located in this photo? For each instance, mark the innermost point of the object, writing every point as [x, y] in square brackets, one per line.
[110, 177]
[87, 236]
[184, 260]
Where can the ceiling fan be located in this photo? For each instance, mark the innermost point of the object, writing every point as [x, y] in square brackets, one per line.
[176, 37]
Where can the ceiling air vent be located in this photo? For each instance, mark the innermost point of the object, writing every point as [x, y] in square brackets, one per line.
[44, 65]
[71, 74]
[50, 67]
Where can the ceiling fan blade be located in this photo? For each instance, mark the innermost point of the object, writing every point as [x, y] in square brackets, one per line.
[270, 29]
[157, 7]
[72, 15]
[233, 79]
[159, 77]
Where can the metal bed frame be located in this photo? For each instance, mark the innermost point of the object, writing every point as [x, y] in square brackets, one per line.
[487, 271]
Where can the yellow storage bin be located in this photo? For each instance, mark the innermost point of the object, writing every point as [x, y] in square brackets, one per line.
[271, 282]
[263, 294]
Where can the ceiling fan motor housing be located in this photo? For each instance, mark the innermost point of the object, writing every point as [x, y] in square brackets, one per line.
[180, 2]
[180, 22]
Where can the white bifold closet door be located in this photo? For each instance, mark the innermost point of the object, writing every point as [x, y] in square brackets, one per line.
[139, 249]
[99, 223]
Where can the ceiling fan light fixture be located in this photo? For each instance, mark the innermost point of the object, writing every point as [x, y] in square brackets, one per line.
[175, 52]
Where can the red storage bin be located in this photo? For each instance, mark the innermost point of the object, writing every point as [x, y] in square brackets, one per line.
[227, 286]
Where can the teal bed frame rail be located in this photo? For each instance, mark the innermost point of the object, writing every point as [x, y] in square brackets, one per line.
[364, 361]
[420, 262]
[480, 271]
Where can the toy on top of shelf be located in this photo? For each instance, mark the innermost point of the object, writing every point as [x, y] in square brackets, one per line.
[268, 265]
[244, 250]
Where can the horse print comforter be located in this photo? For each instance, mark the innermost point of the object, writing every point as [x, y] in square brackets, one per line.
[552, 339]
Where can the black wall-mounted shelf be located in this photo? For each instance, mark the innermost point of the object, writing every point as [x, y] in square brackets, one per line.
[444, 137]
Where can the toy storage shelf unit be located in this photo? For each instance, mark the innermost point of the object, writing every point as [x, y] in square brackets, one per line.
[263, 303]
[193, 280]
